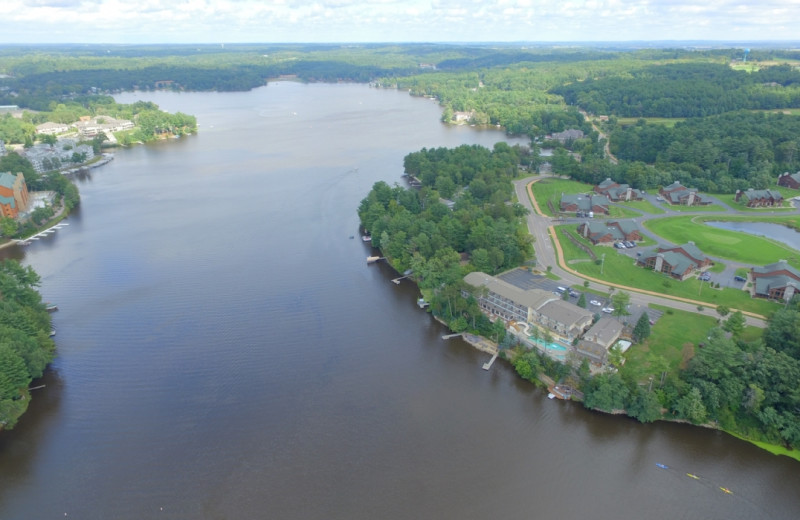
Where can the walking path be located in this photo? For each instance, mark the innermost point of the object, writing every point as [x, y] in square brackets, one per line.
[549, 252]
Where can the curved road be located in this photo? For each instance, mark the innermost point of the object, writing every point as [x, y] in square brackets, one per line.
[541, 228]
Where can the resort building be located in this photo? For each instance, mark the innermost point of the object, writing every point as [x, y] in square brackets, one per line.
[13, 194]
[789, 180]
[534, 306]
[609, 232]
[617, 192]
[759, 198]
[567, 135]
[599, 339]
[778, 281]
[679, 195]
[679, 262]
[45, 158]
[584, 203]
[51, 128]
[91, 127]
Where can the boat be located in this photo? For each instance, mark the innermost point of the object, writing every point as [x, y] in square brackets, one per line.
[372, 259]
[662, 466]
[693, 476]
[50, 307]
[726, 490]
[551, 395]
[366, 238]
[52, 332]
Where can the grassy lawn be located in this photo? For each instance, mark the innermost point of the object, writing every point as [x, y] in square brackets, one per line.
[749, 249]
[618, 211]
[718, 267]
[697, 209]
[673, 338]
[551, 189]
[620, 269]
[642, 205]
[666, 121]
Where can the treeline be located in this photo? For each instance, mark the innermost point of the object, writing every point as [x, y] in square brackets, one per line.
[685, 90]
[25, 345]
[749, 388]
[720, 154]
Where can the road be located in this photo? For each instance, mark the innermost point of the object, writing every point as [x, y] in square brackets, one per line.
[548, 251]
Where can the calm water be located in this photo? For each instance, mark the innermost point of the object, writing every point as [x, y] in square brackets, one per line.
[784, 234]
[226, 353]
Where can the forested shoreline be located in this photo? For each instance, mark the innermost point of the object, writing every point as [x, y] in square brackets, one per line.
[25, 345]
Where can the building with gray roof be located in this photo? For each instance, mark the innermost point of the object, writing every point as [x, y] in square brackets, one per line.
[777, 281]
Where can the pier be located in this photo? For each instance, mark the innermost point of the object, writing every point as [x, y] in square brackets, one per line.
[487, 366]
[396, 281]
[448, 336]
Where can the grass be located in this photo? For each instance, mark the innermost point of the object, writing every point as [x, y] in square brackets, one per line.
[697, 209]
[642, 205]
[666, 121]
[772, 448]
[732, 245]
[620, 269]
[618, 211]
[551, 189]
[672, 338]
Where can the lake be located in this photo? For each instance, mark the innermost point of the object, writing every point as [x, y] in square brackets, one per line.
[225, 352]
[778, 232]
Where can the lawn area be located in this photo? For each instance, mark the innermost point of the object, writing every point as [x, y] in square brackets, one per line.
[642, 205]
[552, 188]
[666, 121]
[618, 211]
[697, 209]
[620, 269]
[673, 338]
[742, 247]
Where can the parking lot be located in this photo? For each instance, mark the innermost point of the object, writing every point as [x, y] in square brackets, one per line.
[526, 280]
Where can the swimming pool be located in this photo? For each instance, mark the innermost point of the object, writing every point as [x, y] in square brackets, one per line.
[549, 346]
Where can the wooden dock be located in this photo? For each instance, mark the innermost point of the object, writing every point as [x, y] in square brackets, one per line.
[396, 281]
[448, 336]
[487, 366]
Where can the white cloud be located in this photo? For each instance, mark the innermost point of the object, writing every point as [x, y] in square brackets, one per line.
[152, 21]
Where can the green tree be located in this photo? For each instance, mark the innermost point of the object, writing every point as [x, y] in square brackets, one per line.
[620, 301]
[691, 406]
[642, 329]
[582, 301]
[723, 310]
[644, 407]
[735, 324]
[8, 227]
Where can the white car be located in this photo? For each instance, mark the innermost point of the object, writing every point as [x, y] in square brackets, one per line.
[608, 310]
[594, 302]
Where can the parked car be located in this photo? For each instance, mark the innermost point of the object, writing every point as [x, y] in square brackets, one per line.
[595, 302]
[561, 289]
[629, 244]
[608, 310]
[660, 198]
[574, 294]
[740, 278]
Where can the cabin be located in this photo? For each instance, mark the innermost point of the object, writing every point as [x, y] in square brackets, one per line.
[778, 281]
[573, 203]
[679, 262]
[617, 192]
[613, 231]
[598, 340]
[759, 198]
[789, 180]
[679, 195]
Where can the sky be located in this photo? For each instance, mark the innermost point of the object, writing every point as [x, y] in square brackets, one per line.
[335, 21]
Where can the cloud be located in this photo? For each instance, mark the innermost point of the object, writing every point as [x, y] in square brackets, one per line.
[152, 21]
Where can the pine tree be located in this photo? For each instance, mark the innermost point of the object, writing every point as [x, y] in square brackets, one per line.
[642, 329]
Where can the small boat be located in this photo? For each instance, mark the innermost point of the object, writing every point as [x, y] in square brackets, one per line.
[52, 332]
[726, 490]
[662, 466]
[366, 238]
[693, 476]
[372, 259]
[551, 395]
[51, 307]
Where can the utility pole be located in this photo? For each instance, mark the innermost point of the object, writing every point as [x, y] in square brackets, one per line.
[602, 263]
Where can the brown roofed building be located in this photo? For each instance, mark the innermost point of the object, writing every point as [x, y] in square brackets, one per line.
[789, 180]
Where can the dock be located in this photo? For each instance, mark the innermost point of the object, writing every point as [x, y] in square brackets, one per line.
[448, 336]
[487, 366]
[373, 259]
[396, 281]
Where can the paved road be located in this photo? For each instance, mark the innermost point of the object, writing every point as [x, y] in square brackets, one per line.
[539, 227]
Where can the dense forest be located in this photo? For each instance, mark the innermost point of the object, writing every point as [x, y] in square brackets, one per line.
[25, 345]
[685, 90]
[736, 150]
